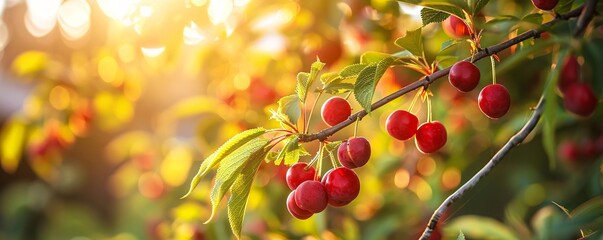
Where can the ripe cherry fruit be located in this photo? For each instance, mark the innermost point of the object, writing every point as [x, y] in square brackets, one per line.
[401, 124]
[580, 99]
[354, 152]
[455, 27]
[298, 174]
[545, 4]
[570, 73]
[294, 209]
[342, 186]
[311, 196]
[464, 76]
[494, 101]
[335, 110]
[431, 136]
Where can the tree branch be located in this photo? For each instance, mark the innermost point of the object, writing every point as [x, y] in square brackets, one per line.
[425, 81]
[514, 141]
[585, 17]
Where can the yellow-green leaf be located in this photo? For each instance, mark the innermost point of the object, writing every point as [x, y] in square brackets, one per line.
[289, 106]
[225, 150]
[230, 167]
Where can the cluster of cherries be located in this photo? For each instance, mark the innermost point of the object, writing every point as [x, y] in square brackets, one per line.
[340, 185]
[572, 151]
[578, 97]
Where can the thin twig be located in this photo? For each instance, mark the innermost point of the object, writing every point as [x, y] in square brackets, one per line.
[425, 81]
[514, 141]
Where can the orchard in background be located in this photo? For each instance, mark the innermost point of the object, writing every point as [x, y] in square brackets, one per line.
[343, 119]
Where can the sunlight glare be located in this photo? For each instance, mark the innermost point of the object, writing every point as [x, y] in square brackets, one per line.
[219, 10]
[74, 19]
[152, 52]
[40, 17]
[192, 34]
[118, 9]
[272, 44]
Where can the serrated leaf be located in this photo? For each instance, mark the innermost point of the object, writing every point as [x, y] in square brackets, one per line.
[478, 5]
[403, 54]
[549, 115]
[338, 88]
[354, 69]
[461, 236]
[326, 78]
[367, 82]
[223, 151]
[305, 80]
[289, 106]
[429, 15]
[230, 168]
[237, 203]
[290, 152]
[371, 57]
[412, 42]
[447, 8]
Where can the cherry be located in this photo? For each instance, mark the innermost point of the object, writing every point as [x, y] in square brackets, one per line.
[401, 124]
[298, 174]
[580, 99]
[568, 151]
[494, 101]
[570, 73]
[311, 196]
[335, 110]
[354, 152]
[294, 209]
[342, 186]
[431, 136]
[455, 27]
[545, 4]
[464, 76]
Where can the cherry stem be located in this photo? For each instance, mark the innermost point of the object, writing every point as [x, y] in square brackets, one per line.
[319, 167]
[333, 161]
[312, 112]
[493, 62]
[428, 107]
[305, 117]
[314, 159]
[414, 100]
[348, 96]
[356, 127]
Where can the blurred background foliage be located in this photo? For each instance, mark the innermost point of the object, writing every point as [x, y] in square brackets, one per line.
[107, 108]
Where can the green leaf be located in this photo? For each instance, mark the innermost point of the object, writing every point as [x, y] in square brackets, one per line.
[447, 8]
[403, 54]
[305, 80]
[223, 151]
[230, 168]
[550, 112]
[412, 42]
[289, 106]
[564, 6]
[429, 15]
[593, 56]
[367, 82]
[372, 57]
[338, 88]
[478, 5]
[237, 203]
[476, 227]
[448, 44]
[461, 236]
[326, 78]
[355, 69]
[291, 152]
[534, 18]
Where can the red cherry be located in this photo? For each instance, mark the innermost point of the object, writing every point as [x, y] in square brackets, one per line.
[335, 110]
[545, 4]
[431, 136]
[580, 99]
[329, 51]
[570, 73]
[494, 101]
[294, 209]
[355, 152]
[455, 27]
[568, 151]
[311, 196]
[401, 124]
[342, 186]
[464, 76]
[298, 174]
